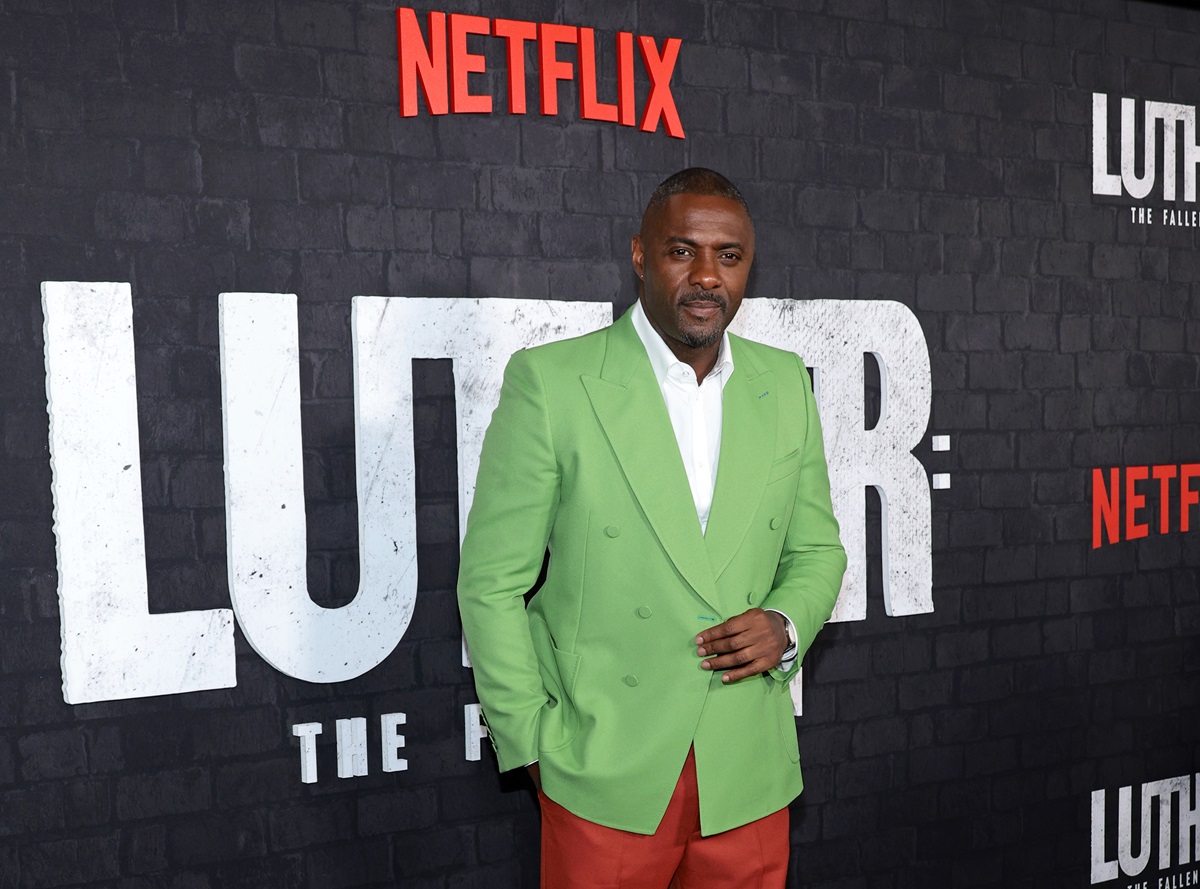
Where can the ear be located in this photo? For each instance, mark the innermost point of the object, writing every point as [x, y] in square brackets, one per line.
[639, 259]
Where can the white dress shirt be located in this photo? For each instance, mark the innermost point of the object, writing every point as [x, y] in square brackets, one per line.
[695, 411]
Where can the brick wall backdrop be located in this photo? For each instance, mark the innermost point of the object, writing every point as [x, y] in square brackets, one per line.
[935, 152]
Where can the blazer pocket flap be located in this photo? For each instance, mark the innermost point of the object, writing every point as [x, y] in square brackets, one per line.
[784, 466]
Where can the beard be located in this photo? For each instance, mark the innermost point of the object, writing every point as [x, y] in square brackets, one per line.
[702, 337]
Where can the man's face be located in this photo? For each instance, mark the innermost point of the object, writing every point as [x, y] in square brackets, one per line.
[693, 256]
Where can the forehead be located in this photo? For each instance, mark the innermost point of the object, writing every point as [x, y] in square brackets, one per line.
[699, 217]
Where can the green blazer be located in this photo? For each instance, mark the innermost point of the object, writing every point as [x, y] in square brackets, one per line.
[598, 678]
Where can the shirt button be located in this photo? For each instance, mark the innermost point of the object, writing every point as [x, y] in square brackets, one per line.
[644, 611]
[631, 681]
[750, 597]
[614, 531]
[775, 523]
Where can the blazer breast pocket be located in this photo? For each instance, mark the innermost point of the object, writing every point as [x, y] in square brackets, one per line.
[784, 466]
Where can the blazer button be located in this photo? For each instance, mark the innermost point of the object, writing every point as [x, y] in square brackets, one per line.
[631, 681]
[644, 611]
[750, 598]
[775, 523]
[612, 531]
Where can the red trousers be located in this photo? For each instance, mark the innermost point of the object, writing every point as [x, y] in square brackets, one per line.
[577, 854]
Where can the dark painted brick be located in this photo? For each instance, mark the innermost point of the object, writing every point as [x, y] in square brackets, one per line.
[602, 192]
[151, 795]
[762, 114]
[381, 130]
[826, 208]
[245, 174]
[855, 166]
[817, 34]
[912, 88]
[83, 858]
[397, 810]
[1035, 179]
[744, 25]
[790, 160]
[523, 190]
[684, 20]
[253, 18]
[281, 71]
[360, 78]
[227, 119]
[566, 235]
[507, 278]
[287, 122]
[969, 333]
[317, 821]
[466, 138]
[783, 74]
[172, 167]
[127, 216]
[572, 146]
[172, 61]
[890, 128]
[1064, 259]
[856, 82]
[80, 161]
[214, 837]
[874, 42]
[50, 755]
[317, 24]
[949, 132]
[287, 226]
[715, 66]
[895, 211]
[971, 95]
[1027, 102]
[736, 156]
[992, 56]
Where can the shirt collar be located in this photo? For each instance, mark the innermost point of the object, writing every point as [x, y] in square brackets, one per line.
[662, 359]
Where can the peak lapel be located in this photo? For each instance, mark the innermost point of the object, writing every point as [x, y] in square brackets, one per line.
[630, 408]
[748, 428]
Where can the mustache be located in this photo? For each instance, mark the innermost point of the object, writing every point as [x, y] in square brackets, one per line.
[705, 296]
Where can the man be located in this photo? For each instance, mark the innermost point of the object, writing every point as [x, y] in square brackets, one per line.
[677, 476]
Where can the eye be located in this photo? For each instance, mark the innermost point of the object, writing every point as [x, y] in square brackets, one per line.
[731, 257]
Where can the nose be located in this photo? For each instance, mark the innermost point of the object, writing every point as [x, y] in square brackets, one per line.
[706, 271]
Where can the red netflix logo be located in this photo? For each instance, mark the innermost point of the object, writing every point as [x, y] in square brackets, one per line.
[441, 67]
[1176, 497]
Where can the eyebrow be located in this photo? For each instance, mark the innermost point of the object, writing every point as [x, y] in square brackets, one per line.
[688, 242]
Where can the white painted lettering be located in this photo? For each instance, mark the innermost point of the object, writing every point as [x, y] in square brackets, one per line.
[307, 733]
[112, 646]
[351, 747]
[475, 730]
[393, 741]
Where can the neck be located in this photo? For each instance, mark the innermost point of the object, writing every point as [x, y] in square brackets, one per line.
[701, 359]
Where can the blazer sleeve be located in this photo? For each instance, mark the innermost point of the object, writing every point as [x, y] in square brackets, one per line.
[809, 575]
[516, 499]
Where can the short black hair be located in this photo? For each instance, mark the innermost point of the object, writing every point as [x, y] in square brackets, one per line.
[695, 180]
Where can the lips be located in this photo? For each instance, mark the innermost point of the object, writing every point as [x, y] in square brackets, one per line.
[704, 307]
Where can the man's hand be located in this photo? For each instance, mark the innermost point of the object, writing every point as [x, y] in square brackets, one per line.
[535, 773]
[746, 645]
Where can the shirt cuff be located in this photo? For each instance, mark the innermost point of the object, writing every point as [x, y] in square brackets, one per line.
[789, 653]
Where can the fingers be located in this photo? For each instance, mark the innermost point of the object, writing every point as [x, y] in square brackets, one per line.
[745, 645]
[731, 627]
[755, 668]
